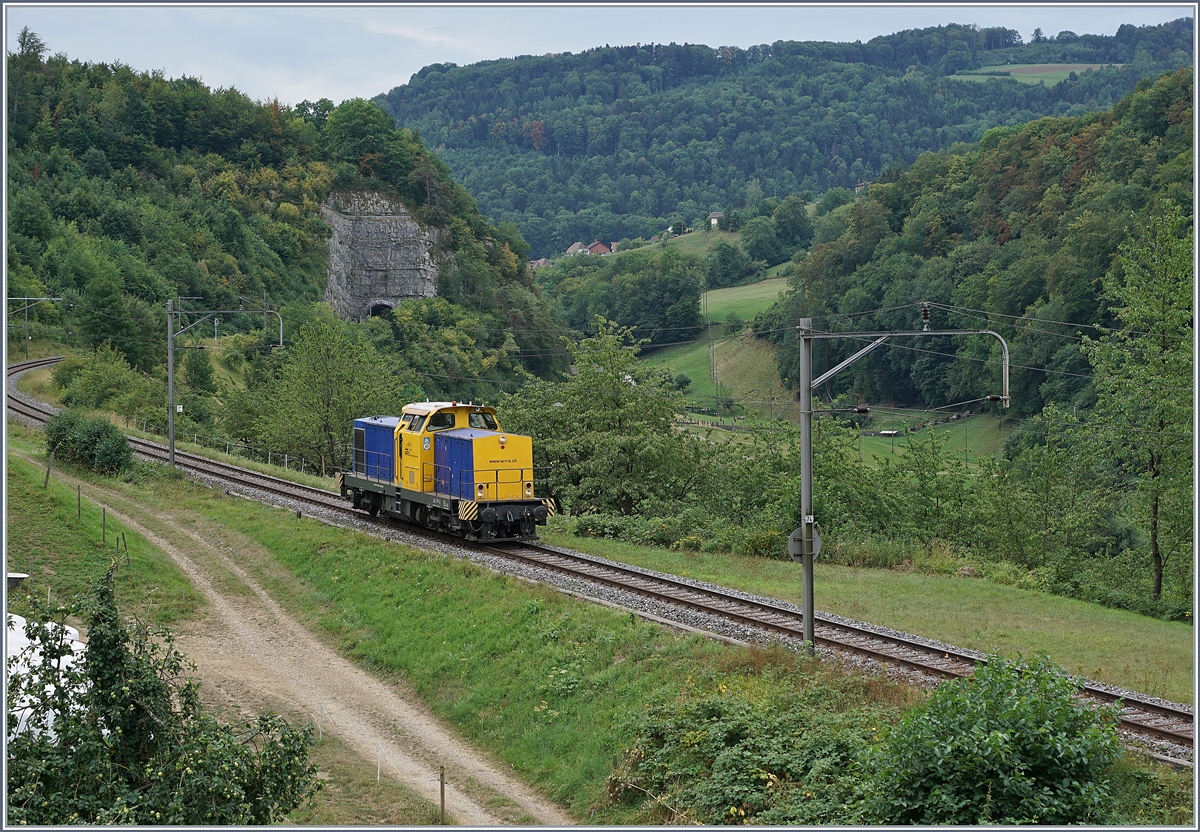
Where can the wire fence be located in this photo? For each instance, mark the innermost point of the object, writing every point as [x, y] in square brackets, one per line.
[284, 459]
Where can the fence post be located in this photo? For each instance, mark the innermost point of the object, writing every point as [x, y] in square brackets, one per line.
[103, 524]
[442, 779]
[78, 502]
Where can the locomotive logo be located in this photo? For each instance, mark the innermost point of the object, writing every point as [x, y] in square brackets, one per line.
[427, 443]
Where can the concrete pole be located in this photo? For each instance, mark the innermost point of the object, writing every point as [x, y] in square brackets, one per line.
[171, 380]
[27, 332]
[806, 543]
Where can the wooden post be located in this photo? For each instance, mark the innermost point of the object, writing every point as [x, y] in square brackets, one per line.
[104, 525]
[78, 502]
[49, 462]
[442, 814]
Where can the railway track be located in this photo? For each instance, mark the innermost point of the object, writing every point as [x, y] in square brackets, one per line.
[1140, 715]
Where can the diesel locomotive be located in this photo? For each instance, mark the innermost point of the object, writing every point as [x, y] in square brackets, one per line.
[446, 466]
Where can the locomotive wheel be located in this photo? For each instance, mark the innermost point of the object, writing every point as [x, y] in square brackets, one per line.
[373, 507]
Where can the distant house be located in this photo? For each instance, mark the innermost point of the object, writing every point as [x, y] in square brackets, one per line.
[577, 248]
[714, 219]
[598, 248]
[860, 187]
[537, 264]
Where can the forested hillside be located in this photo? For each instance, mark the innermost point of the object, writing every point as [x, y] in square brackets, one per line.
[618, 142]
[127, 188]
[1012, 234]
[1070, 236]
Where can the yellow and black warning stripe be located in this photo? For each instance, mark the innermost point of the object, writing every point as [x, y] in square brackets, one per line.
[468, 510]
[548, 502]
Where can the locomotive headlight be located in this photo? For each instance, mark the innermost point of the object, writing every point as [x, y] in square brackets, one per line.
[503, 439]
[480, 490]
[528, 489]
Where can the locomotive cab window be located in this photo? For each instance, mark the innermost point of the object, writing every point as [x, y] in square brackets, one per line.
[406, 418]
[415, 424]
[441, 420]
[482, 421]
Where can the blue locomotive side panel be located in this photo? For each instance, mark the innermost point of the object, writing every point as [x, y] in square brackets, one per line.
[454, 462]
[375, 448]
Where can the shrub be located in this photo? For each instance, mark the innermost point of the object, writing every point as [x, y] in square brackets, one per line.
[95, 443]
[1011, 744]
[723, 758]
[764, 543]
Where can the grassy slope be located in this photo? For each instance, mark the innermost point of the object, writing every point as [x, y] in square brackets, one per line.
[746, 369]
[747, 301]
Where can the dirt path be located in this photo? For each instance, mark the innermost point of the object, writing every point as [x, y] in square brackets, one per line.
[256, 654]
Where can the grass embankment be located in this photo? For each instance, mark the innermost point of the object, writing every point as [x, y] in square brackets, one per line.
[546, 683]
[1116, 646]
[65, 542]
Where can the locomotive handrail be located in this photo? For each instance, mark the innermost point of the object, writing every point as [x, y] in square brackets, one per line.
[368, 465]
[486, 477]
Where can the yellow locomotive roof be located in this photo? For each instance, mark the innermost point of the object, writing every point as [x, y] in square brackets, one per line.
[430, 407]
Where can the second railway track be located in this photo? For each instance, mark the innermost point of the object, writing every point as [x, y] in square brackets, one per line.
[1163, 722]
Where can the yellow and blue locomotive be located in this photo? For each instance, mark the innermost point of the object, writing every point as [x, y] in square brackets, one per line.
[446, 466]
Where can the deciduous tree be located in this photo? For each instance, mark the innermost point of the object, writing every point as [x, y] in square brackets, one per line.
[1143, 415]
[117, 735]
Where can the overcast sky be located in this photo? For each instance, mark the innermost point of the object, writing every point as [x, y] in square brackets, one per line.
[324, 51]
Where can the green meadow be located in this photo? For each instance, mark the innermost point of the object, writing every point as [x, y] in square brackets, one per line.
[1048, 74]
[747, 301]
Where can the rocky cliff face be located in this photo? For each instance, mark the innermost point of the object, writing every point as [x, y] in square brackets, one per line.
[378, 255]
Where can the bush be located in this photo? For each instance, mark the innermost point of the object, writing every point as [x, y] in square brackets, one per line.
[762, 753]
[95, 443]
[103, 380]
[1011, 744]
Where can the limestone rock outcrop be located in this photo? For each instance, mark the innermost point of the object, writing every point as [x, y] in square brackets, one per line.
[379, 255]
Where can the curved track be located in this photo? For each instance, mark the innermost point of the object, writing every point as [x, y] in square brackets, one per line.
[1139, 715]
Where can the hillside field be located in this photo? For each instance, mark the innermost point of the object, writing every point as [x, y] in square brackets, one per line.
[747, 301]
[1030, 73]
[746, 371]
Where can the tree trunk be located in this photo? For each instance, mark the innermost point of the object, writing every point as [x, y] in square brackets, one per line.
[1155, 553]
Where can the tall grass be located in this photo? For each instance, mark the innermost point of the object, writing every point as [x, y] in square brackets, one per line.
[65, 551]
